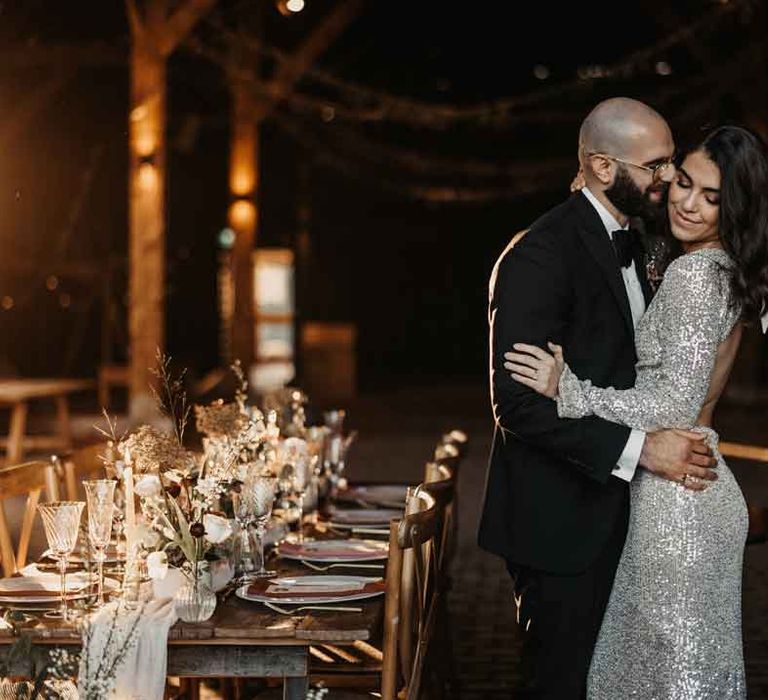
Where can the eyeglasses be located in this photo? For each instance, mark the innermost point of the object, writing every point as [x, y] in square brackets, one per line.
[657, 170]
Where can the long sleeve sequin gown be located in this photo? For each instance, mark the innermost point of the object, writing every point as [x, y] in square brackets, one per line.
[672, 628]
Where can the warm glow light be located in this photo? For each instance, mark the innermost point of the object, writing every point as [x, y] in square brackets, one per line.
[147, 176]
[145, 143]
[288, 7]
[7, 303]
[51, 283]
[663, 68]
[242, 213]
[139, 113]
[242, 181]
[65, 300]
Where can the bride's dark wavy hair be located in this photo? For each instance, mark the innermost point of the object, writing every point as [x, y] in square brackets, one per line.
[742, 159]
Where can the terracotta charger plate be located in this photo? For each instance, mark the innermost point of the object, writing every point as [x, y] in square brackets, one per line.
[309, 590]
[336, 551]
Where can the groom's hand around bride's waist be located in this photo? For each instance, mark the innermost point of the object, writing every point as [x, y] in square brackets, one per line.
[679, 455]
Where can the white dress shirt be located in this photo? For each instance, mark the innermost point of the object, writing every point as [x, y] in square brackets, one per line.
[627, 464]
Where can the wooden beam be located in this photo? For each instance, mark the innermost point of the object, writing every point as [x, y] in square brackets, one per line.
[154, 35]
[247, 113]
[243, 218]
[291, 71]
[182, 21]
[146, 313]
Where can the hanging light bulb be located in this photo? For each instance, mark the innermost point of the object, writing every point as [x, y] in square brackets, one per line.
[290, 7]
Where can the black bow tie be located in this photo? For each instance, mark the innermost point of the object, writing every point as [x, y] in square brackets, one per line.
[624, 242]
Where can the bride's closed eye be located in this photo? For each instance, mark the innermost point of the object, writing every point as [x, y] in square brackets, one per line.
[685, 183]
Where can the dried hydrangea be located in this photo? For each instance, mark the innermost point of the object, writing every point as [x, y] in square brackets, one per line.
[153, 451]
[220, 419]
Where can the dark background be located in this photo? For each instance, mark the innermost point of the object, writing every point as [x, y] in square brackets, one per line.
[409, 272]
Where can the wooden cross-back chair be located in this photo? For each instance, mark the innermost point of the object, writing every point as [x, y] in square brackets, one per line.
[75, 466]
[418, 534]
[440, 482]
[447, 454]
[28, 480]
[459, 439]
[408, 614]
[758, 515]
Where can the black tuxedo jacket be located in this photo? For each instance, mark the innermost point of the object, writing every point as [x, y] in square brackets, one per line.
[551, 500]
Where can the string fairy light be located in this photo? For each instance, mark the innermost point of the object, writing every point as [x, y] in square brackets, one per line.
[501, 112]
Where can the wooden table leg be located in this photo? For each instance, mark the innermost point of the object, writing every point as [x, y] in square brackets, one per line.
[64, 426]
[18, 428]
[295, 688]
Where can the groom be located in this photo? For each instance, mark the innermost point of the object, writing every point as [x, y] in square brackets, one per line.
[557, 497]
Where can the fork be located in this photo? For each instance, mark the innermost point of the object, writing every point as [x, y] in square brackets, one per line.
[346, 566]
[285, 611]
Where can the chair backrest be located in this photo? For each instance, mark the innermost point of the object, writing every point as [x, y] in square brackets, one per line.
[440, 483]
[447, 454]
[77, 465]
[30, 480]
[409, 602]
[758, 515]
[458, 438]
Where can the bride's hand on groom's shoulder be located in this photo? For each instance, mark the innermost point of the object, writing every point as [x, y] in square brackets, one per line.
[578, 183]
[536, 368]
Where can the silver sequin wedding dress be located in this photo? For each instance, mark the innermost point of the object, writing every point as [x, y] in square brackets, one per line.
[672, 628]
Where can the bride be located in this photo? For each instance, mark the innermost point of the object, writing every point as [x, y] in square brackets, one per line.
[672, 629]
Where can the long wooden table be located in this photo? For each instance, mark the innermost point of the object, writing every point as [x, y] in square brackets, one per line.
[242, 639]
[17, 394]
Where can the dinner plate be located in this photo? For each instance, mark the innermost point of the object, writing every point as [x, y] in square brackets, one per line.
[77, 559]
[387, 495]
[46, 588]
[310, 590]
[364, 516]
[335, 550]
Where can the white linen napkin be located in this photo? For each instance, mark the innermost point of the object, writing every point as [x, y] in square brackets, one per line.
[127, 654]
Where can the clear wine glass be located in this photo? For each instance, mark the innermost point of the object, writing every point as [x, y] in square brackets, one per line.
[301, 476]
[100, 494]
[243, 511]
[61, 520]
[295, 451]
[260, 492]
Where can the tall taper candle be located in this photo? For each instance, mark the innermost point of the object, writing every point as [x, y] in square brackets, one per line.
[130, 508]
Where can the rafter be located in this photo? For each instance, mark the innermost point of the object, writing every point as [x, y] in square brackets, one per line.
[291, 71]
[181, 23]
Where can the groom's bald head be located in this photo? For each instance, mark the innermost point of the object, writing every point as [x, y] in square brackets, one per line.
[620, 143]
[618, 125]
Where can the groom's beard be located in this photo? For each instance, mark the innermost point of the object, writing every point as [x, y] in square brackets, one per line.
[631, 201]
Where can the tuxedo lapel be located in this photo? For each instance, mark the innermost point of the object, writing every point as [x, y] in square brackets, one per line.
[599, 245]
